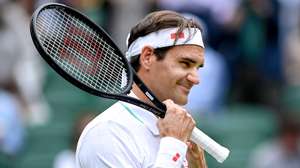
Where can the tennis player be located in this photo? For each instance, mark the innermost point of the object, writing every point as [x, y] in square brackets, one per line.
[166, 51]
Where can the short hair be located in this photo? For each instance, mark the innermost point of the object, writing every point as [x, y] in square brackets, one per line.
[156, 21]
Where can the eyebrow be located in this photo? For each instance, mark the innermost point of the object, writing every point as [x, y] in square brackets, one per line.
[193, 61]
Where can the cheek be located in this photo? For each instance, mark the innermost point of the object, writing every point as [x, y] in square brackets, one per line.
[168, 73]
[177, 72]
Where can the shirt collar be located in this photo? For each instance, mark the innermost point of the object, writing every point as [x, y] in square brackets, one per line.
[148, 118]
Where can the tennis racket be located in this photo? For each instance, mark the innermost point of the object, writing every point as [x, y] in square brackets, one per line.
[85, 55]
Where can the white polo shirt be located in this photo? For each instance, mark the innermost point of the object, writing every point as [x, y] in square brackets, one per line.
[126, 136]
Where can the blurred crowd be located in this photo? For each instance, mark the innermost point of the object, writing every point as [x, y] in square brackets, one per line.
[252, 57]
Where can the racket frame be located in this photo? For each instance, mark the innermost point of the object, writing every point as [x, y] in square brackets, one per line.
[131, 74]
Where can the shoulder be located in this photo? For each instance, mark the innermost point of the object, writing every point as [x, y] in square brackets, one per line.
[107, 137]
[111, 119]
[115, 123]
[114, 118]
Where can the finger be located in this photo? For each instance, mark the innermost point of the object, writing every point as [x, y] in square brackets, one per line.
[193, 145]
[192, 122]
[189, 144]
[168, 102]
[171, 106]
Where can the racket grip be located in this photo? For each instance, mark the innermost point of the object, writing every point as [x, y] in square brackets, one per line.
[219, 152]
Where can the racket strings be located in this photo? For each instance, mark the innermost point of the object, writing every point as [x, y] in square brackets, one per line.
[81, 68]
[80, 51]
[105, 46]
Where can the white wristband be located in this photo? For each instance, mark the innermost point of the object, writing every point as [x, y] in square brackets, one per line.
[172, 153]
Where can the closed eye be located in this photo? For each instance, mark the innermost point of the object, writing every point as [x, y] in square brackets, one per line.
[188, 63]
[185, 64]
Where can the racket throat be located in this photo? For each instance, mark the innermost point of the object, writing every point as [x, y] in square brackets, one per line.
[148, 92]
[149, 96]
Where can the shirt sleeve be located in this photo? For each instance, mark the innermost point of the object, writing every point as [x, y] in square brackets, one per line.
[171, 153]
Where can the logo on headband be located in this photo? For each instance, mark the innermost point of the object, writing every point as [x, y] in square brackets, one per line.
[180, 35]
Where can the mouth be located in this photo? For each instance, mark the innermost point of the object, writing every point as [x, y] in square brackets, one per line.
[185, 86]
[185, 89]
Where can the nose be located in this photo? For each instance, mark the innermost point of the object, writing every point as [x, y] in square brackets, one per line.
[193, 77]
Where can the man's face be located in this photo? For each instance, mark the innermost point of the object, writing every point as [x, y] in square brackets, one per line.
[174, 76]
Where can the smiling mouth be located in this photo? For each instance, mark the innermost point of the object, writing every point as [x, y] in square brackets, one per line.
[185, 89]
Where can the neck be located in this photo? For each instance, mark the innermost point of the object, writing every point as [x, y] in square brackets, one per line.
[137, 91]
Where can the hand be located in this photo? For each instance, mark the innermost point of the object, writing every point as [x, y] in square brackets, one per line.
[178, 123]
[195, 156]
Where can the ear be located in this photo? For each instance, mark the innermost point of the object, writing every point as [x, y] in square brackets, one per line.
[147, 57]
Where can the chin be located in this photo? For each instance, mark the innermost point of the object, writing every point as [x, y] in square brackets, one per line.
[182, 101]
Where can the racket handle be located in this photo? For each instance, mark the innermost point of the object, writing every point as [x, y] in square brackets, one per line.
[219, 152]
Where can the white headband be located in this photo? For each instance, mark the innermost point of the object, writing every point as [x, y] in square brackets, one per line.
[165, 38]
